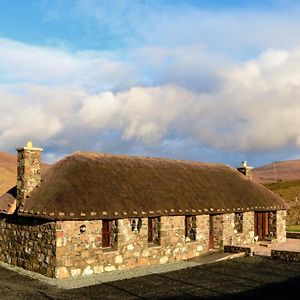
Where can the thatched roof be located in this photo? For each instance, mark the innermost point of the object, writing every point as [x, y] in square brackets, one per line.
[8, 201]
[96, 186]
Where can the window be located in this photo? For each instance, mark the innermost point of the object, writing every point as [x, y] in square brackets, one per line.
[238, 222]
[190, 228]
[154, 230]
[109, 233]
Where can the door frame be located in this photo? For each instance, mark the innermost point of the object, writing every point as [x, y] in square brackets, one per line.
[261, 224]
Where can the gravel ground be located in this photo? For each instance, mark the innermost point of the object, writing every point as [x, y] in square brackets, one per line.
[246, 278]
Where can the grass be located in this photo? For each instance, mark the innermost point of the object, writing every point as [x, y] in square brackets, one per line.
[282, 185]
[294, 228]
[288, 190]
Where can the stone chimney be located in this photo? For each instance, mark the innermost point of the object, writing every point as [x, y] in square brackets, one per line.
[29, 171]
[245, 169]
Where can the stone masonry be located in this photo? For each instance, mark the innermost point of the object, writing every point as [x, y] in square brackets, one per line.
[232, 237]
[29, 171]
[281, 225]
[64, 249]
[81, 253]
[28, 243]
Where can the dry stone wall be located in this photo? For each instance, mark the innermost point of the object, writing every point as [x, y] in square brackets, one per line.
[64, 249]
[231, 236]
[281, 225]
[218, 230]
[28, 243]
[81, 253]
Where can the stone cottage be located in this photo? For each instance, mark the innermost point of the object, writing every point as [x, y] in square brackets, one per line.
[92, 212]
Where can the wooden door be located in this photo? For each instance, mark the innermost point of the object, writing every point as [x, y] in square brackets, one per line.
[261, 225]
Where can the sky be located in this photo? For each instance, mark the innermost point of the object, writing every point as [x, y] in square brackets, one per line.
[203, 80]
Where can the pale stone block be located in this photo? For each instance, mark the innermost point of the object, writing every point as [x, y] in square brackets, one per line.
[88, 271]
[164, 259]
[75, 272]
[199, 248]
[110, 268]
[98, 269]
[59, 242]
[62, 272]
[118, 259]
[168, 252]
[145, 253]
[175, 251]
[130, 247]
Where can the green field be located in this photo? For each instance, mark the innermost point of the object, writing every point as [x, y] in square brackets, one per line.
[293, 228]
[290, 192]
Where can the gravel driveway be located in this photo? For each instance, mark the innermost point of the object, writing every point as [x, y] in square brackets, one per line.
[246, 278]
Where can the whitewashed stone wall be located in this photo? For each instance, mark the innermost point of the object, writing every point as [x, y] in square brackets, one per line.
[281, 225]
[82, 254]
[232, 237]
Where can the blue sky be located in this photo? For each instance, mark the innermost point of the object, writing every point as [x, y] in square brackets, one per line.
[201, 80]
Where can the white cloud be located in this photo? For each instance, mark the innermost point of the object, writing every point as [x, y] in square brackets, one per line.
[73, 99]
[20, 62]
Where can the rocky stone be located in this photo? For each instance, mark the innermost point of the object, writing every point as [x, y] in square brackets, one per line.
[163, 260]
[118, 259]
[62, 272]
[88, 271]
[130, 247]
[75, 272]
[109, 268]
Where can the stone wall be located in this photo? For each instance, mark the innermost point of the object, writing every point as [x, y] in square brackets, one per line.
[281, 225]
[293, 235]
[285, 255]
[82, 254]
[74, 248]
[28, 243]
[217, 223]
[29, 171]
[231, 236]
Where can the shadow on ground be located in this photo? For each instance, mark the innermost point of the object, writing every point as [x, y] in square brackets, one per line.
[243, 278]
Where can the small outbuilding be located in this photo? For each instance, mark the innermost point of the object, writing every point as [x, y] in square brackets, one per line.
[93, 212]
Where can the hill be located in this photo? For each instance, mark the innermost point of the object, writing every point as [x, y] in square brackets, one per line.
[290, 192]
[8, 167]
[279, 171]
[8, 171]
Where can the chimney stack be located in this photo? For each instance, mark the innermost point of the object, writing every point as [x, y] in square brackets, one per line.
[245, 169]
[29, 171]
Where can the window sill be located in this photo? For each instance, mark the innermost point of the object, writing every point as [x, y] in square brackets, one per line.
[152, 245]
[109, 250]
[191, 242]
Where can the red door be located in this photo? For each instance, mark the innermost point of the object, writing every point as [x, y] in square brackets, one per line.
[261, 225]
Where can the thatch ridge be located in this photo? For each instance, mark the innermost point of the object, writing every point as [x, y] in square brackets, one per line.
[88, 185]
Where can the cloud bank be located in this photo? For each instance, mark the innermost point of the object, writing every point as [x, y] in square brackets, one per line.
[254, 106]
[169, 78]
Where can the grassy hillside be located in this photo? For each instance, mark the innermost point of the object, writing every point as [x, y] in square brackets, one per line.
[279, 171]
[290, 192]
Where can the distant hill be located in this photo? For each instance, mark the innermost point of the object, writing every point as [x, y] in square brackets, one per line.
[8, 168]
[290, 192]
[279, 171]
[8, 171]
[283, 178]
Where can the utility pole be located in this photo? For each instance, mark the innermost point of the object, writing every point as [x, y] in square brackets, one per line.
[274, 169]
